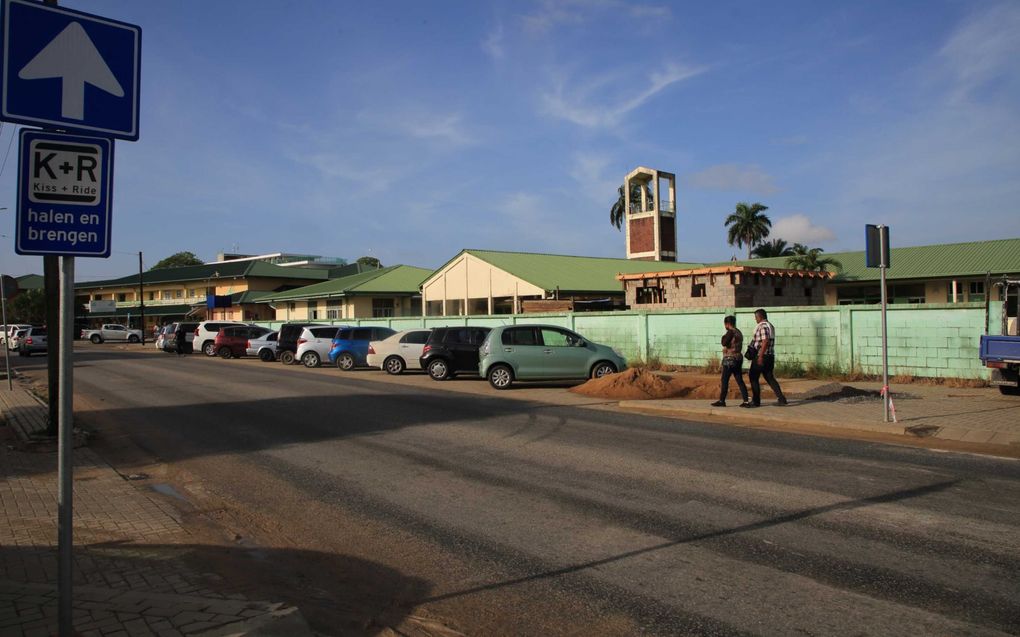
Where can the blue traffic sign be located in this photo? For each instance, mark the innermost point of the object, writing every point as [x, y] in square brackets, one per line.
[65, 187]
[69, 70]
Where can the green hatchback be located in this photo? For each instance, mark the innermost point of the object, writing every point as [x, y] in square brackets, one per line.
[543, 352]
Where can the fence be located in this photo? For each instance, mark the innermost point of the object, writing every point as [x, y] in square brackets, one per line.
[931, 340]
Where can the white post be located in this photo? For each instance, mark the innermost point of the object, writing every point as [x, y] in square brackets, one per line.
[954, 290]
[65, 445]
[885, 344]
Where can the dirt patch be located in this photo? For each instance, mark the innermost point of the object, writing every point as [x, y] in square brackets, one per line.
[643, 384]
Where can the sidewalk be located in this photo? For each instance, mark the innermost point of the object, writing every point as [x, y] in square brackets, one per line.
[979, 416]
[131, 566]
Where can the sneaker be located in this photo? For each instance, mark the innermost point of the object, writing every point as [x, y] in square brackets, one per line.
[748, 405]
[781, 402]
[719, 403]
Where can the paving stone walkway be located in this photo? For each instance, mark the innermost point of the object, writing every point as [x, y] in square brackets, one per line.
[131, 572]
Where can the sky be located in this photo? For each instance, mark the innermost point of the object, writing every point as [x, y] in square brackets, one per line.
[408, 131]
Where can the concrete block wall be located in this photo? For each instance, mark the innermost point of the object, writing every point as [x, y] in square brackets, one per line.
[934, 340]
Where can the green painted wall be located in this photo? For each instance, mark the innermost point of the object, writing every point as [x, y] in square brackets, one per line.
[933, 340]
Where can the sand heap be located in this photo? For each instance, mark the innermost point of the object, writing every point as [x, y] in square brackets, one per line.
[632, 384]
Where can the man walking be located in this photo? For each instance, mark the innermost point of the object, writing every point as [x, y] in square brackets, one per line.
[732, 361]
[764, 361]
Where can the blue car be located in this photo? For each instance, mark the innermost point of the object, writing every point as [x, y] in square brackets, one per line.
[350, 347]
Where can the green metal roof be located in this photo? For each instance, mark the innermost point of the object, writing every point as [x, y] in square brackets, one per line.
[30, 281]
[569, 273]
[208, 271]
[945, 260]
[395, 279]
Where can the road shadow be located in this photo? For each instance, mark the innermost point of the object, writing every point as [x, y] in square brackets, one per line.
[337, 594]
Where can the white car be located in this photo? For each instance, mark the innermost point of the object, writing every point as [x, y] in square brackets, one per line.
[205, 335]
[399, 352]
[9, 331]
[15, 339]
[264, 347]
[314, 344]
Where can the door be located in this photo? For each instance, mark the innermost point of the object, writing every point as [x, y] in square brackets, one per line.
[522, 348]
[564, 359]
[410, 347]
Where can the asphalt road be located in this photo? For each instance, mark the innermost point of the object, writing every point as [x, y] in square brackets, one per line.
[494, 515]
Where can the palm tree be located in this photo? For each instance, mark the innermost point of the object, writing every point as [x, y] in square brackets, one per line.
[811, 259]
[616, 213]
[748, 225]
[773, 248]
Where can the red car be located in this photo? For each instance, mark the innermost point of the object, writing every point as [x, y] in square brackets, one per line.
[231, 342]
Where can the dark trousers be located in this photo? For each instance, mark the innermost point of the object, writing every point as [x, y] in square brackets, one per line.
[765, 369]
[736, 370]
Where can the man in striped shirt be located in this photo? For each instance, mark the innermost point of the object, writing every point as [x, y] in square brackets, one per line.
[764, 362]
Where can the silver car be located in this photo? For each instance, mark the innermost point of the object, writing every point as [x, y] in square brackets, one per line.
[31, 341]
[264, 347]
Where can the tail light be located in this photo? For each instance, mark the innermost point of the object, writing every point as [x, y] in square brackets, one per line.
[996, 365]
[196, 332]
[425, 350]
[248, 344]
[302, 340]
[371, 350]
[28, 341]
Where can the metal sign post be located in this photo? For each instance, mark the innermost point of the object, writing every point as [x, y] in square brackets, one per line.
[876, 255]
[7, 329]
[65, 492]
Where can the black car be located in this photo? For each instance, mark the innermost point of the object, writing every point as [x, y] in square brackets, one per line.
[287, 342]
[452, 350]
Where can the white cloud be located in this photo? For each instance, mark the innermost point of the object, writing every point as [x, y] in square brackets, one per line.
[606, 99]
[800, 229]
[447, 128]
[493, 43]
[984, 48]
[552, 13]
[733, 177]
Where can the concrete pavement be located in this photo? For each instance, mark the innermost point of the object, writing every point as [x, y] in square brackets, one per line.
[133, 566]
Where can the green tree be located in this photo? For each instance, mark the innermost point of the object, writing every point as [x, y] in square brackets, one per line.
[617, 212]
[773, 248]
[178, 260]
[748, 225]
[29, 307]
[811, 259]
[369, 262]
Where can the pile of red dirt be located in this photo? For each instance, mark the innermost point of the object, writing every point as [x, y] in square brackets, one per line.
[642, 384]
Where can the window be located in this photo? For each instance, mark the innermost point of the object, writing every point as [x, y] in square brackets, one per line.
[167, 295]
[976, 291]
[344, 334]
[324, 332]
[180, 294]
[121, 297]
[557, 338]
[778, 291]
[698, 290]
[292, 306]
[332, 309]
[152, 296]
[314, 314]
[382, 308]
[417, 338]
[520, 336]
[650, 295]
[362, 334]
[807, 292]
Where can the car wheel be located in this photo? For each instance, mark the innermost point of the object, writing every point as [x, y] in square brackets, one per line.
[209, 348]
[132, 339]
[225, 352]
[96, 338]
[310, 359]
[267, 356]
[439, 370]
[22, 352]
[287, 357]
[1009, 390]
[394, 365]
[501, 376]
[602, 368]
[345, 362]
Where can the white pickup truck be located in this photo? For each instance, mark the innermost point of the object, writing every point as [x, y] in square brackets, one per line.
[112, 332]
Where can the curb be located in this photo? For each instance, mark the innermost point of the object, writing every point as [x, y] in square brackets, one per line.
[726, 414]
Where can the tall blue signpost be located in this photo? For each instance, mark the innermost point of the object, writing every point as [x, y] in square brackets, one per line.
[78, 76]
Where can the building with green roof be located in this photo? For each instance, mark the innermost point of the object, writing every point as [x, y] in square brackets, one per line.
[496, 282]
[392, 291]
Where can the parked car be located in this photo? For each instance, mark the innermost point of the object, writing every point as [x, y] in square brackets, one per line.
[32, 340]
[315, 342]
[161, 338]
[350, 347]
[264, 347]
[9, 330]
[398, 352]
[15, 339]
[112, 332]
[232, 342]
[287, 343]
[169, 335]
[205, 335]
[452, 350]
[543, 352]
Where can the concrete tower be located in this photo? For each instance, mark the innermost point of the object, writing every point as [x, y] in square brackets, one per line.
[651, 220]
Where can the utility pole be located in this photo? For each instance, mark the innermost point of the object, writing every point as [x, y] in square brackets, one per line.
[141, 297]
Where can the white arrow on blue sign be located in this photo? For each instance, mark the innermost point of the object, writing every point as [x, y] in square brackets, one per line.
[67, 69]
[65, 187]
